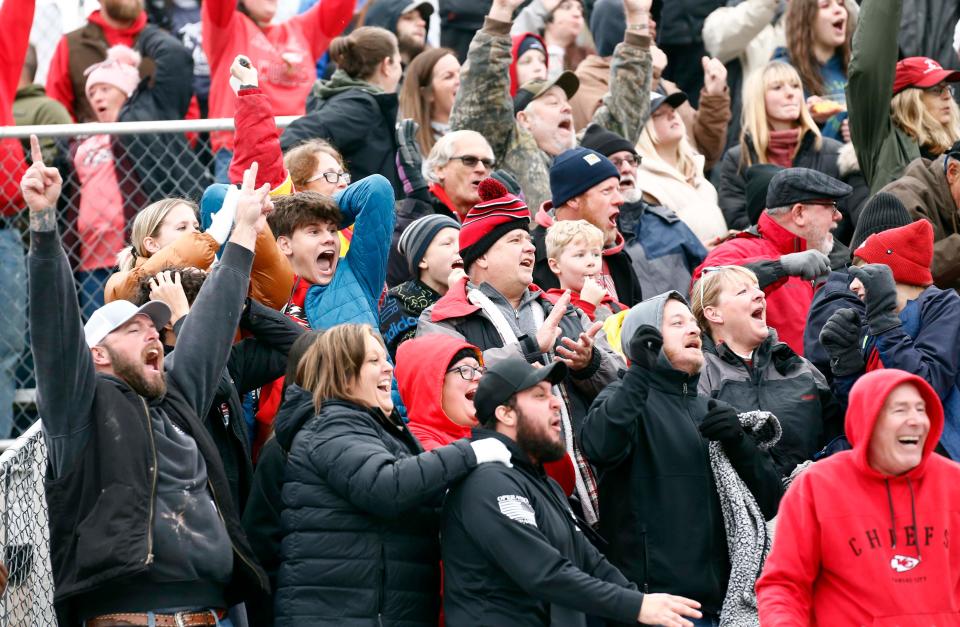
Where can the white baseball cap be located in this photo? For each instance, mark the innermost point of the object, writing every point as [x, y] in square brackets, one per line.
[114, 315]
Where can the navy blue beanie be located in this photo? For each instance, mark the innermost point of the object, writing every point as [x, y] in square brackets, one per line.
[575, 171]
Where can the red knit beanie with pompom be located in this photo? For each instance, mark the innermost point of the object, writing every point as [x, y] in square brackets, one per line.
[497, 213]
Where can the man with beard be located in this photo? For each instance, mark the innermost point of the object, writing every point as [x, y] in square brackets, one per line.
[512, 551]
[528, 132]
[498, 309]
[660, 246]
[648, 433]
[143, 529]
[585, 185]
[788, 247]
[115, 22]
[405, 19]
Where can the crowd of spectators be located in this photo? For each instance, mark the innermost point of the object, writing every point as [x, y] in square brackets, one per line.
[539, 312]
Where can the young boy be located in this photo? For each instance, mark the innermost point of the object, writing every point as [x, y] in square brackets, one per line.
[431, 247]
[574, 253]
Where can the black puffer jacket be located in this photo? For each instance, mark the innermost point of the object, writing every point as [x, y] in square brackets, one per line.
[730, 180]
[361, 520]
[261, 518]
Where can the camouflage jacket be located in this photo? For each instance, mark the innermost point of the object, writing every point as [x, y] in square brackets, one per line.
[484, 104]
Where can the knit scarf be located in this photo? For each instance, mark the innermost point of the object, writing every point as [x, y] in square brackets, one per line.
[782, 147]
[586, 482]
[749, 536]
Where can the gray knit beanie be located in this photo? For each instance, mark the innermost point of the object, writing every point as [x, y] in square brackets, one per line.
[416, 238]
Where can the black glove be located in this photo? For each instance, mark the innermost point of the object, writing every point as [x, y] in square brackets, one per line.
[807, 265]
[409, 158]
[881, 300]
[644, 347]
[721, 424]
[840, 337]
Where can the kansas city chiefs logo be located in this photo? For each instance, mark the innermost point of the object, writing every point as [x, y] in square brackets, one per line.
[902, 563]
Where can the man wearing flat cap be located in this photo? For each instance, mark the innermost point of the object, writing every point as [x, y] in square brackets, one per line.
[788, 247]
[513, 553]
[527, 133]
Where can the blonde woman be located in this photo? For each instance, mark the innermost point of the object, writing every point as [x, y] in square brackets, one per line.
[671, 171]
[748, 367]
[922, 120]
[167, 233]
[776, 128]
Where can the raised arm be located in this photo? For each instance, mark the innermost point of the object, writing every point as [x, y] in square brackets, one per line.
[168, 97]
[626, 107]
[870, 83]
[16, 18]
[66, 378]
[728, 31]
[483, 102]
[368, 205]
[203, 345]
[257, 360]
[324, 21]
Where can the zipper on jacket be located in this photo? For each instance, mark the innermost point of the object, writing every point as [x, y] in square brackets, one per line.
[153, 485]
[381, 584]
[233, 547]
[684, 389]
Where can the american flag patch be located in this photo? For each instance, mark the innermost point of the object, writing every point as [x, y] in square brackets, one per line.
[517, 508]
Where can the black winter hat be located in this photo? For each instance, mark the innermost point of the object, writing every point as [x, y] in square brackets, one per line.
[605, 142]
[882, 212]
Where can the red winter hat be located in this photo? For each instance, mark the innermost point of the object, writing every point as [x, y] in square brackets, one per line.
[921, 72]
[908, 250]
[497, 213]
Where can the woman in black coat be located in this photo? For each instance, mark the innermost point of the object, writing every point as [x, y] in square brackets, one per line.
[356, 110]
[360, 520]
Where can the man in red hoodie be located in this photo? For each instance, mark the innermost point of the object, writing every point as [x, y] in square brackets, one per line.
[882, 549]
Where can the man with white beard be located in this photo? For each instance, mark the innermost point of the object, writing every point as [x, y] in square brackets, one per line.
[788, 247]
[662, 249]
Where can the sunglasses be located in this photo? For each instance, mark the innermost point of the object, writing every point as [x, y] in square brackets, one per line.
[703, 279]
[469, 373]
[940, 90]
[471, 162]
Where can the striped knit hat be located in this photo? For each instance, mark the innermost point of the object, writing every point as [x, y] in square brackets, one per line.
[497, 213]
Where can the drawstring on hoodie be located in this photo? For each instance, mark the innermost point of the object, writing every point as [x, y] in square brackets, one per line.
[913, 514]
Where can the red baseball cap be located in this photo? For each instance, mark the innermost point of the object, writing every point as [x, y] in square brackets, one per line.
[921, 72]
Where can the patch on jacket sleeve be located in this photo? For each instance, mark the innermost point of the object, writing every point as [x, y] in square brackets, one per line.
[517, 508]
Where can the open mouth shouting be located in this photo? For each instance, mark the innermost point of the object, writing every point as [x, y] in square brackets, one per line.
[912, 442]
[153, 359]
[839, 27]
[326, 261]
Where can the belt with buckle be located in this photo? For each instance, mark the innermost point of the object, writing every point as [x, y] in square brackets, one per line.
[180, 619]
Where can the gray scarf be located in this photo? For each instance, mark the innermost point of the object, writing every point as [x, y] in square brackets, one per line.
[748, 535]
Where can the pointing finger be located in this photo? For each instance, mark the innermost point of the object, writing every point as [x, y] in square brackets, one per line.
[594, 329]
[35, 153]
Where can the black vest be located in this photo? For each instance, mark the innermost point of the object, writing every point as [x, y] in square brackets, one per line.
[101, 510]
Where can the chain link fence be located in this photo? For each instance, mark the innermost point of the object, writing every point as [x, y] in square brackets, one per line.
[25, 535]
[110, 172]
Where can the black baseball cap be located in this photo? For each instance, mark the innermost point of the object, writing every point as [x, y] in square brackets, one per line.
[505, 378]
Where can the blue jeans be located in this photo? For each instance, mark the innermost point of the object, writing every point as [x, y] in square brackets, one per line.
[221, 166]
[13, 320]
[90, 285]
[151, 617]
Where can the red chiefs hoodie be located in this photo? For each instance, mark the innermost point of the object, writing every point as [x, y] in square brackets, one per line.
[855, 547]
[421, 367]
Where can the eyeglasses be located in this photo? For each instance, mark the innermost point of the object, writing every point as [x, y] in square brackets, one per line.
[940, 90]
[826, 204]
[471, 162]
[632, 160]
[469, 373]
[331, 177]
